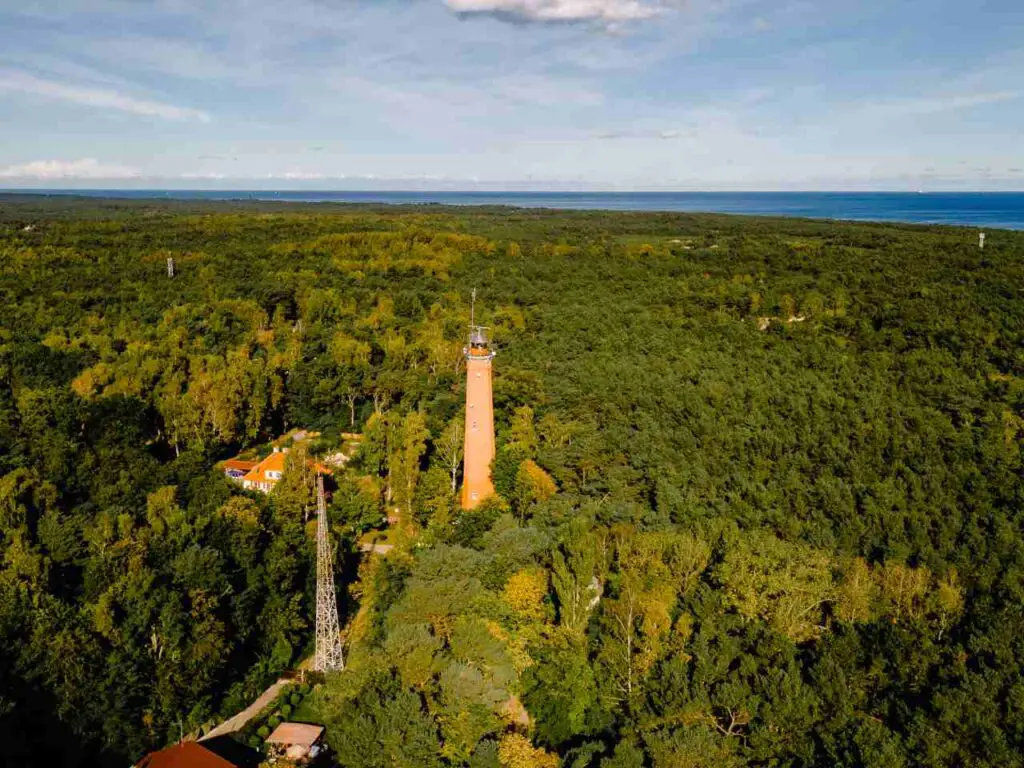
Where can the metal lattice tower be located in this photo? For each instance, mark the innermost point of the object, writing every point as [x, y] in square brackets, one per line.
[328, 630]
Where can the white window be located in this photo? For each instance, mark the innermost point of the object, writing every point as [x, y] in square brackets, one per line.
[474, 425]
[473, 495]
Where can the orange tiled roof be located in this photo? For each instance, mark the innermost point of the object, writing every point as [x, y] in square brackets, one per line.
[273, 463]
[188, 754]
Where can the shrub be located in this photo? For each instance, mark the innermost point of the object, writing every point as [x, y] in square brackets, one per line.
[255, 741]
[274, 721]
[304, 689]
[295, 699]
[262, 732]
[286, 710]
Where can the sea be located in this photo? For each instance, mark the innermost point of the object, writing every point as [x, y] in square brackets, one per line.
[994, 210]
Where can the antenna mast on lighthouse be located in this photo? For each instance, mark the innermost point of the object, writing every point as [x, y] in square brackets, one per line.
[328, 656]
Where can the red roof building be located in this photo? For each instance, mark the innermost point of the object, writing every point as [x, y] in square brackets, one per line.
[264, 475]
[188, 754]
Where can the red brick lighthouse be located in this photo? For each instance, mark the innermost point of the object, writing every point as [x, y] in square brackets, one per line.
[479, 444]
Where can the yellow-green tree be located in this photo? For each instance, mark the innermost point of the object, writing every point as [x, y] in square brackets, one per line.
[574, 577]
[784, 583]
[525, 591]
[516, 751]
[408, 443]
[532, 484]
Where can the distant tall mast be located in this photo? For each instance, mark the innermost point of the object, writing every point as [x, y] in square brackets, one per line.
[328, 656]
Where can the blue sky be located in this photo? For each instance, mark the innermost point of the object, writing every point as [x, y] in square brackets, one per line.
[500, 94]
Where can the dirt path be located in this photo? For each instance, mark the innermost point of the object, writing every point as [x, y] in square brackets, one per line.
[238, 722]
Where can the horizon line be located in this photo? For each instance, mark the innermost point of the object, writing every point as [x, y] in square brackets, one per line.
[508, 191]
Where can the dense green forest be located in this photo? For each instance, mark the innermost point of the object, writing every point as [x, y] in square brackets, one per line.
[761, 499]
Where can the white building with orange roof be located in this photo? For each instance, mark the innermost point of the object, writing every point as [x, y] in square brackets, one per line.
[265, 474]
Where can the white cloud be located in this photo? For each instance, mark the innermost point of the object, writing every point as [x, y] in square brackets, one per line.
[203, 175]
[639, 134]
[100, 98]
[934, 105]
[86, 168]
[298, 176]
[609, 11]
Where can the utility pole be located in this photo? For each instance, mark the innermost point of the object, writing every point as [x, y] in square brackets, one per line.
[328, 656]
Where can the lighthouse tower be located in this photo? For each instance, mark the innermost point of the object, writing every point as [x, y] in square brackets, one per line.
[479, 445]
